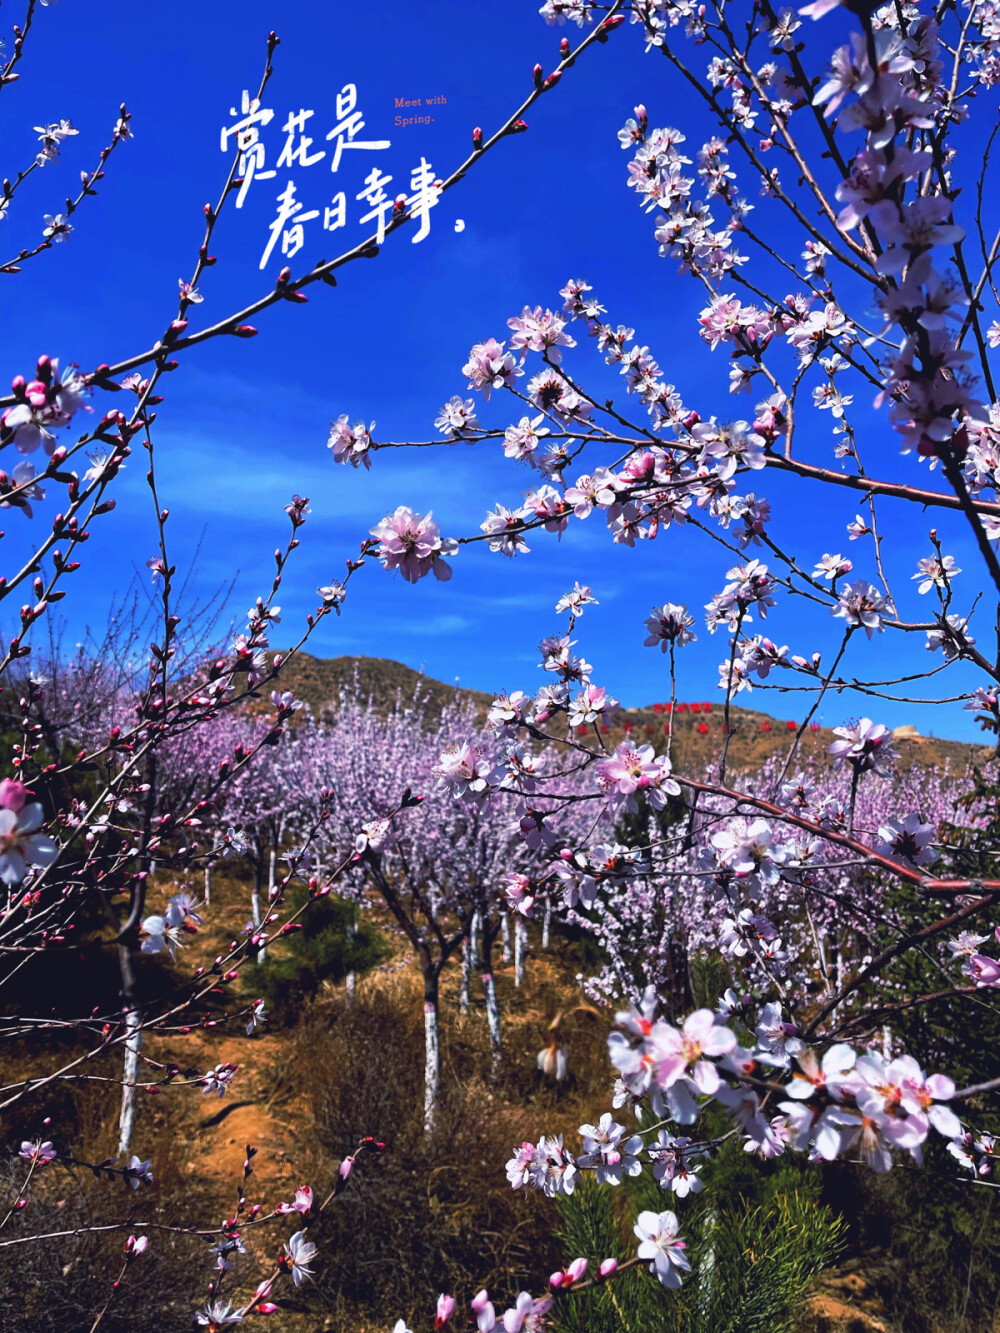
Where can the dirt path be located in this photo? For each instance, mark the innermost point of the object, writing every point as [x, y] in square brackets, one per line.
[246, 1115]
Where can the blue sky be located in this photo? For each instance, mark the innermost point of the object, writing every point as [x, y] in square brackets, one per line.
[245, 423]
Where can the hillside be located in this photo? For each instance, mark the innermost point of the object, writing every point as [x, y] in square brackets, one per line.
[698, 728]
[319, 680]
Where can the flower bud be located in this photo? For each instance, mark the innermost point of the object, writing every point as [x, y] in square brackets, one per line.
[445, 1309]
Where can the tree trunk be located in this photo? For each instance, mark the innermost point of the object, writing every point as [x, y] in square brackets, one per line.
[352, 976]
[133, 1044]
[208, 885]
[258, 876]
[547, 923]
[463, 994]
[520, 949]
[470, 957]
[432, 1052]
[492, 1008]
[272, 867]
[505, 929]
[493, 1021]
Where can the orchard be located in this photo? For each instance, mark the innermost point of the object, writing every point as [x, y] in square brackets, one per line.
[758, 950]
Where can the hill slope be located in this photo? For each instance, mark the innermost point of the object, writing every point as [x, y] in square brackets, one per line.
[697, 731]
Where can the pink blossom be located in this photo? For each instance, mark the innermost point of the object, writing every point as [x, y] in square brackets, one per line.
[412, 543]
[679, 1052]
[593, 702]
[504, 530]
[908, 839]
[983, 970]
[21, 845]
[466, 770]
[862, 605]
[38, 1152]
[576, 600]
[631, 769]
[490, 367]
[299, 1253]
[540, 331]
[457, 418]
[834, 1075]
[658, 1241]
[522, 441]
[218, 1315]
[669, 624]
[482, 1308]
[445, 1309]
[865, 745]
[46, 402]
[528, 1314]
[302, 1203]
[351, 444]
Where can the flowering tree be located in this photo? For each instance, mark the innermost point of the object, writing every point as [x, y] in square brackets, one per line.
[442, 864]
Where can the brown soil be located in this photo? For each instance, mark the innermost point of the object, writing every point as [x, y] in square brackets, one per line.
[844, 1302]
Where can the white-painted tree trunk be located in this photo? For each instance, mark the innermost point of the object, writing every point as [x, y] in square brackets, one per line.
[463, 994]
[520, 949]
[255, 914]
[352, 976]
[706, 1270]
[493, 1021]
[272, 868]
[547, 923]
[133, 1044]
[432, 1064]
[505, 934]
[208, 885]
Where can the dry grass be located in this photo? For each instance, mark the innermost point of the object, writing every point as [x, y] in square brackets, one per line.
[427, 1215]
